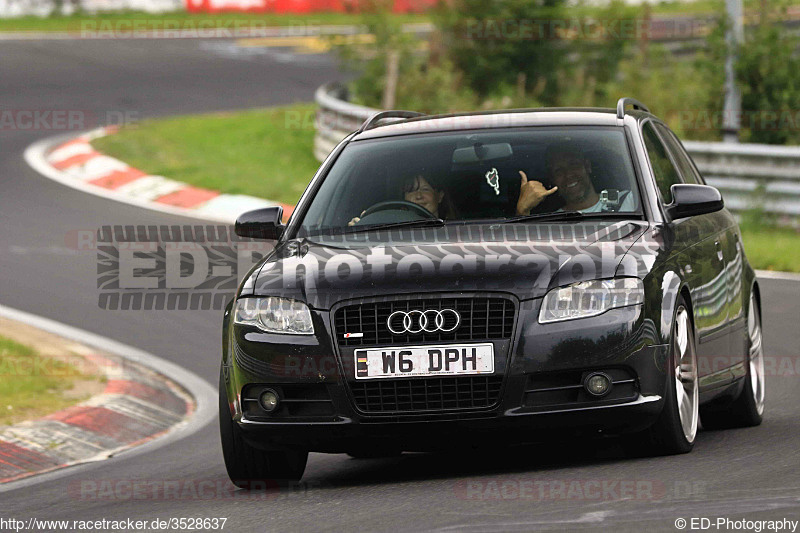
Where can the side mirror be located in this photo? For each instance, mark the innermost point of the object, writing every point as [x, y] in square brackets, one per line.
[262, 223]
[690, 200]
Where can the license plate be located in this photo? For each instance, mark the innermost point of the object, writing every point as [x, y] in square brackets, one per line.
[408, 361]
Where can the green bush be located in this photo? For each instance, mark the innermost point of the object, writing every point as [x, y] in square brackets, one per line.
[427, 80]
[521, 53]
[769, 76]
[766, 72]
[676, 90]
[500, 44]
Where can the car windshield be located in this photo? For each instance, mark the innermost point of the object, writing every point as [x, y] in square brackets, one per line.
[484, 176]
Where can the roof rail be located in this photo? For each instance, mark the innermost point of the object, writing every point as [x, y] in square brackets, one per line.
[372, 121]
[622, 102]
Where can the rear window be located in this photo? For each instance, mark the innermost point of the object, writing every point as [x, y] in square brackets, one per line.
[686, 167]
[664, 171]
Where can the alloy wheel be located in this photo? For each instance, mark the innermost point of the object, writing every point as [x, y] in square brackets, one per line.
[756, 359]
[686, 384]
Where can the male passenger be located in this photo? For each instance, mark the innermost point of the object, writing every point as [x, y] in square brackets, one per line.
[569, 172]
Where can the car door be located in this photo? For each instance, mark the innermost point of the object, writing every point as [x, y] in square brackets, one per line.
[701, 262]
[732, 250]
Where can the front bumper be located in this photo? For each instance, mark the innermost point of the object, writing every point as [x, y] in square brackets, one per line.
[447, 433]
[539, 365]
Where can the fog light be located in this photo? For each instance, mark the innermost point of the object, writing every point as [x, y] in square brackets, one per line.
[269, 400]
[597, 384]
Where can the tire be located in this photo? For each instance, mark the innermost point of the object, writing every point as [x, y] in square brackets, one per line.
[748, 409]
[675, 430]
[250, 467]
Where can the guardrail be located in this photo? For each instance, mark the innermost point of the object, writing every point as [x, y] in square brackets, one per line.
[749, 176]
[336, 118]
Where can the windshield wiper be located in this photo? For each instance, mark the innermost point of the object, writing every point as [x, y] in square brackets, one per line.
[567, 215]
[427, 222]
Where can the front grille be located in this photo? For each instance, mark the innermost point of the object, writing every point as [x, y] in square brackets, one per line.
[482, 318]
[426, 394]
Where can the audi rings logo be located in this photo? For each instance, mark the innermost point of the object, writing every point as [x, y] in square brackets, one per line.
[429, 321]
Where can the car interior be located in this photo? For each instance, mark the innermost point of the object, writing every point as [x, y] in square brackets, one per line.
[459, 165]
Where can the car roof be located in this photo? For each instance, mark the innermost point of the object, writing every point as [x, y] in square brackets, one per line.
[555, 116]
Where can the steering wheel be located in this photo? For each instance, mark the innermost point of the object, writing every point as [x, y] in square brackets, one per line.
[398, 204]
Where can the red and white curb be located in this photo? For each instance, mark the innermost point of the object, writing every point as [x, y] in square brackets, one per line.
[137, 406]
[77, 164]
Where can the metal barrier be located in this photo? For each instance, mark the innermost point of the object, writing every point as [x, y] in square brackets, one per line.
[336, 118]
[749, 176]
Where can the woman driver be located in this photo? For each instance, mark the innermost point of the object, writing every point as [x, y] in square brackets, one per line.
[419, 190]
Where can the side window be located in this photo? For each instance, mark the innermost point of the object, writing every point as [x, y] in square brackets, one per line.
[688, 171]
[665, 172]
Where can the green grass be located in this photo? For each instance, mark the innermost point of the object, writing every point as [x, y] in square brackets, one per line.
[772, 248]
[32, 385]
[695, 7]
[182, 20]
[265, 153]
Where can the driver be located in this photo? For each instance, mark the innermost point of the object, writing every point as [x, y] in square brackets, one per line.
[569, 171]
[419, 190]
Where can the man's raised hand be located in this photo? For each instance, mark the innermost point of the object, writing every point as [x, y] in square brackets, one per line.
[531, 194]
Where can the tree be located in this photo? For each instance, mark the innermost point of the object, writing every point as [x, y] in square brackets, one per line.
[770, 78]
[501, 43]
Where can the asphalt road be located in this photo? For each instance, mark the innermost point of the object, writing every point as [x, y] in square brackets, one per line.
[751, 473]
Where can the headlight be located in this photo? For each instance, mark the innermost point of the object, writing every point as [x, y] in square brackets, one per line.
[274, 315]
[590, 298]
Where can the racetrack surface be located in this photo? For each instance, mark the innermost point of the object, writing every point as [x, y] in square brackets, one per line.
[750, 473]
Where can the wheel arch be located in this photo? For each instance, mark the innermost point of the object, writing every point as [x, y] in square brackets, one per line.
[226, 374]
[756, 290]
[673, 286]
[687, 297]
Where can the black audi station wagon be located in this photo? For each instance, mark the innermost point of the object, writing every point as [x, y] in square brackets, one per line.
[491, 277]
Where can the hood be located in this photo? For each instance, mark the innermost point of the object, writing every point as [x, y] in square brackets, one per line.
[522, 259]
